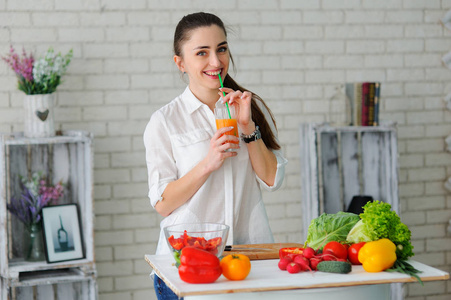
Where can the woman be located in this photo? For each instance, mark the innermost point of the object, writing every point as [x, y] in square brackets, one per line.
[191, 176]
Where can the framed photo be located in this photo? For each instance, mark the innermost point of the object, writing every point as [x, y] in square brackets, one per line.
[62, 234]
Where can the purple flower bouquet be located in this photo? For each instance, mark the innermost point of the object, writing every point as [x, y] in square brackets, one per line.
[36, 194]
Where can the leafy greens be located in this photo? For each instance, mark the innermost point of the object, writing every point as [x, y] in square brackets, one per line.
[378, 221]
[330, 227]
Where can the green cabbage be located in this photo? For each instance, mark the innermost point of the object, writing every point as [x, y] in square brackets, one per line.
[378, 222]
[330, 227]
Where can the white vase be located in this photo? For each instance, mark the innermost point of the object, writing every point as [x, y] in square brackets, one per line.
[39, 115]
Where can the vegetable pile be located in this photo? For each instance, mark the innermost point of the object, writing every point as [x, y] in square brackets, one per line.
[376, 238]
[333, 259]
[378, 221]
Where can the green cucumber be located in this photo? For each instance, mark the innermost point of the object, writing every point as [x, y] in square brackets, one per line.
[341, 267]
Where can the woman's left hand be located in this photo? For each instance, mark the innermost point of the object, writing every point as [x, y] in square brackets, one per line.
[242, 103]
[263, 160]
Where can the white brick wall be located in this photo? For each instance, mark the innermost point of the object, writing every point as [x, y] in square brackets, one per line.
[292, 53]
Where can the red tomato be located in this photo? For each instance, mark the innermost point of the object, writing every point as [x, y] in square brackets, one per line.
[353, 253]
[336, 249]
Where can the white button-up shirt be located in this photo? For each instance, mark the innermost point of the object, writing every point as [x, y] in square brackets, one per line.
[177, 138]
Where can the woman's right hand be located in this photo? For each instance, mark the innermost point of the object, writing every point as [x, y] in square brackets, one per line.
[218, 144]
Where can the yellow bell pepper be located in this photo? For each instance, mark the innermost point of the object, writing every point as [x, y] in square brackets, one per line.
[378, 256]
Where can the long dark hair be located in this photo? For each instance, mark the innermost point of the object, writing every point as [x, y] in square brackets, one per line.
[202, 19]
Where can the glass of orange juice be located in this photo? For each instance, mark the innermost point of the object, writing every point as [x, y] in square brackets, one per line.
[223, 119]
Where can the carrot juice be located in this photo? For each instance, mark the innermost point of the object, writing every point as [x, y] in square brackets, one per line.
[221, 123]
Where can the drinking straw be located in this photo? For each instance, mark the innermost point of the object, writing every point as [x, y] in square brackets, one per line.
[223, 93]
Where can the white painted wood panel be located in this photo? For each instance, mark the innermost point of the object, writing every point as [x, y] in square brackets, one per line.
[331, 201]
[350, 166]
[371, 156]
[45, 292]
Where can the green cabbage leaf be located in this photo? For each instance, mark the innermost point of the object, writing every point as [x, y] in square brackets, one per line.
[330, 227]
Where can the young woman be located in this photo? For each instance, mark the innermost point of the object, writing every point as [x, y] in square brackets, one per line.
[191, 176]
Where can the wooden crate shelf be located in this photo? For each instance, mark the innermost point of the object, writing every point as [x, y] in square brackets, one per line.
[51, 285]
[67, 157]
[52, 277]
[338, 163]
[19, 266]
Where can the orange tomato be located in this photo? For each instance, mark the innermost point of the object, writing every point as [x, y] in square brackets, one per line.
[235, 266]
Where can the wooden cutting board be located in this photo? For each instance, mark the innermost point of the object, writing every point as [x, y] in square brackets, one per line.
[271, 253]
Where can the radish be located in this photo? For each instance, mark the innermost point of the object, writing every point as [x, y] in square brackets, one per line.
[289, 257]
[314, 261]
[328, 256]
[308, 252]
[303, 262]
[293, 267]
[283, 262]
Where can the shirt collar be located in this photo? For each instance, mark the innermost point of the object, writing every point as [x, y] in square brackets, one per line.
[190, 101]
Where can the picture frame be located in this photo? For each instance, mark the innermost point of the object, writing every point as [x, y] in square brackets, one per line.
[62, 233]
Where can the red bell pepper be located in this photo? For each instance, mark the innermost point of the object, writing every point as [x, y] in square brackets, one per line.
[291, 252]
[177, 244]
[198, 266]
[213, 244]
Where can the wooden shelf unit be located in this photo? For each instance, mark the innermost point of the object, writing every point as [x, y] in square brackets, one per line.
[68, 157]
[338, 163]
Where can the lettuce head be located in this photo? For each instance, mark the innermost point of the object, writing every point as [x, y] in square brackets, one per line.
[378, 221]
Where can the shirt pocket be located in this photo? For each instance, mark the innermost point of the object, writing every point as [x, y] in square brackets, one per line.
[187, 139]
[190, 148]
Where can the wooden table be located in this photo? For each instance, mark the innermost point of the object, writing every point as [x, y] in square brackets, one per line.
[266, 281]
